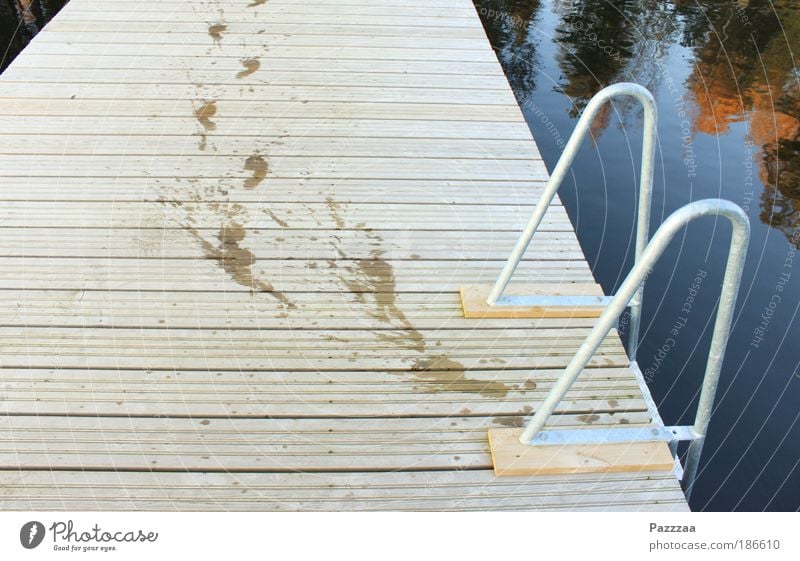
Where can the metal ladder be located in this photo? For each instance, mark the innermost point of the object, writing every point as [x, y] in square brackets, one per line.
[594, 106]
[629, 294]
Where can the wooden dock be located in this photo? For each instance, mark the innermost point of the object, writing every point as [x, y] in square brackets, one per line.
[232, 238]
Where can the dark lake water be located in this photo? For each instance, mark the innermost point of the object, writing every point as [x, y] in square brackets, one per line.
[20, 20]
[726, 78]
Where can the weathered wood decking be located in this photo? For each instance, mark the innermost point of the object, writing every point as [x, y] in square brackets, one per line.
[232, 238]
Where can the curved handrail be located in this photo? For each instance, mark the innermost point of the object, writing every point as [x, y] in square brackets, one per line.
[560, 171]
[631, 286]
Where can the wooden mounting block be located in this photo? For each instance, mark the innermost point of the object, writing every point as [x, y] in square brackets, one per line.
[473, 301]
[510, 457]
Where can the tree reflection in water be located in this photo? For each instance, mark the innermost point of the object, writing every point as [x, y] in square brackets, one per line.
[743, 70]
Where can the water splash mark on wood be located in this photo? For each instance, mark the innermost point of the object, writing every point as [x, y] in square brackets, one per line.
[203, 115]
[215, 31]
[446, 374]
[374, 278]
[337, 219]
[236, 260]
[258, 165]
[514, 422]
[510, 422]
[277, 219]
[251, 65]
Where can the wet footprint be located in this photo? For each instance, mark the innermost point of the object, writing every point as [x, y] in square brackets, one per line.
[258, 165]
[251, 65]
[215, 31]
[237, 260]
[203, 115]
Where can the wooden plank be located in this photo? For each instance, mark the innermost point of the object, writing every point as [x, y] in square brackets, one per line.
[341, 276]
[403, 349]
[196, 213]
[204, 80]
[416, 491]
[258, 93]
[307, 20]
[271, 53]
[228, 68]
[238, 109]
[291, 244]
[168, 126]
[266, 39]
[604, 396]
[474, 305]
[395, 28]
[311, 341]
[241, 310]
[252, 445]
[365, 147]
[238, 167]
[511, 458]
[298, 191]
[238, 11]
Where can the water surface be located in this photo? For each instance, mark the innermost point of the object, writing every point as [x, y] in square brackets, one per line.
[20, 20]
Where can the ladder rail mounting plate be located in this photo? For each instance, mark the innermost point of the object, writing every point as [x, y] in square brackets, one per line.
[512, 458]
[566, 300]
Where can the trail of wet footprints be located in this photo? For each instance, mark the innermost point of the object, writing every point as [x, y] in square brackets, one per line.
[371, 280]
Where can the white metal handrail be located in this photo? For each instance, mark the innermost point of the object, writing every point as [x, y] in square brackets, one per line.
[533, 433]
[605, 95]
